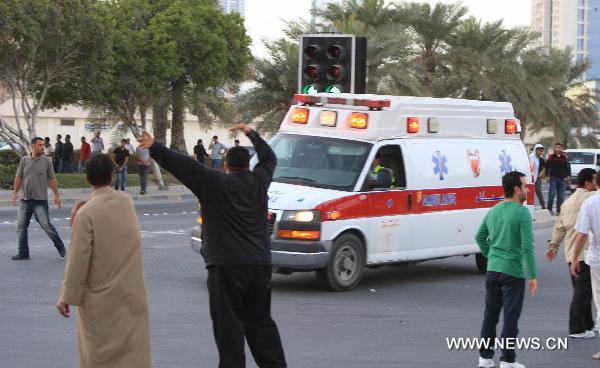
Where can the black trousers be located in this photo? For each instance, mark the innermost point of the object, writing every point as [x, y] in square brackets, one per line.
[240, 306]
[503, 292]
[580, 313]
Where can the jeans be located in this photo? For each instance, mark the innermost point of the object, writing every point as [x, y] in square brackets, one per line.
[143, 173]
[538, 192]
[80, 166]
[557, 187]
[66, 166]
[240, 306]
[39, 209]
[580, 313]
[215, 163]
[502, 292]
[121, 179]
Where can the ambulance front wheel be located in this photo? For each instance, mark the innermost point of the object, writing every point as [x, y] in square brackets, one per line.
[345, 266]
[481, 263]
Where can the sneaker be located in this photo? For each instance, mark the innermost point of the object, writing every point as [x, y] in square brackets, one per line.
[486, 363]
[20, 257]
[511, 365]
[584, 335]
[595, 329]
[551, 212]
[62, 251]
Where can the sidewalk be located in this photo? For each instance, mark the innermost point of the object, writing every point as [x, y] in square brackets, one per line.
[542, 219]
[70, 196]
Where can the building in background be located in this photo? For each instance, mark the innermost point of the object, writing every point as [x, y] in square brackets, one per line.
[234, 6]
[570, 23]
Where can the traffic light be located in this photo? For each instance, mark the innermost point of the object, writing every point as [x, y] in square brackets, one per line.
[333, 63]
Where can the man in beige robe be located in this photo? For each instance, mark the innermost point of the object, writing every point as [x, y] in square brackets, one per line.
[104, 277]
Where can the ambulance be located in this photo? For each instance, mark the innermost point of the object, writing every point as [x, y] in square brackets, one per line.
[439, 166]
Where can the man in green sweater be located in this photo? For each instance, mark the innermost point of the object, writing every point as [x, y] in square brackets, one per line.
[506, 240]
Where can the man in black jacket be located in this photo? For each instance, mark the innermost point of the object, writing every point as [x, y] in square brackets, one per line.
[236, 248]
[558, 172]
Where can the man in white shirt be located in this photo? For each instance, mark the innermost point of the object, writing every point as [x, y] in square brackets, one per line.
[589, 221]
[537, 166]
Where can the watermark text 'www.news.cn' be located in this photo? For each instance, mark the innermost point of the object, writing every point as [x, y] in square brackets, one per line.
[511, 343]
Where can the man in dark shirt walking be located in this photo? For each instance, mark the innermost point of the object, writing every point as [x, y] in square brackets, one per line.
[236, 248]
[558, 171]
[59, 148]
[66, 165]
[120, 157]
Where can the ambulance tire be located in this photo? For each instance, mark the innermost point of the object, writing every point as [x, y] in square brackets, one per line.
[481, 263]
[346, 264]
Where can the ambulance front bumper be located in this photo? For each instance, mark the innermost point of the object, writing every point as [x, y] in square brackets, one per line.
[300, 255]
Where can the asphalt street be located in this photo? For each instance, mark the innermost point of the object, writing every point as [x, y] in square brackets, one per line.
[397, 316]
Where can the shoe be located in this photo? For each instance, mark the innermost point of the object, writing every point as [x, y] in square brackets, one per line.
[486, 363]
[584, 335]
[20, 257]
[62, 252]
[511, 365]
[552, 213]
[595, 329]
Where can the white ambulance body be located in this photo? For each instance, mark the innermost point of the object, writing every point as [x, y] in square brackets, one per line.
[446, 158]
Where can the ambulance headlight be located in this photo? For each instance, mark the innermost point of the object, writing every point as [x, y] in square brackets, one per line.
[302, 216]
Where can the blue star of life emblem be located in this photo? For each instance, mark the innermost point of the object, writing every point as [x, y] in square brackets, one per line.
[505, 165]
[440, 167]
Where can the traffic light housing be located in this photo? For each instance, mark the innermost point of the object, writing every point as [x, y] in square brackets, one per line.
[334, 63]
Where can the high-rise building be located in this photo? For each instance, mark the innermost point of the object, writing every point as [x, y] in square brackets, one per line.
[570, 23]
[231, 6]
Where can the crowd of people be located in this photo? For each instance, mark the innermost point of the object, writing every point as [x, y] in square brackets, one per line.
[61, 155]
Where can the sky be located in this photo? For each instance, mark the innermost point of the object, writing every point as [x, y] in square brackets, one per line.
[265, 18]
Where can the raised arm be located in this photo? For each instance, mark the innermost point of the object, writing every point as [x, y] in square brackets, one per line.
[188, 171]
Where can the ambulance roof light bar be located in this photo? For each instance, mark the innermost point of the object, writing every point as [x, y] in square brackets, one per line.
[372, 104]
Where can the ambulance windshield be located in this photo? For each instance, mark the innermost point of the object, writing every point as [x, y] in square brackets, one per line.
[318, 161]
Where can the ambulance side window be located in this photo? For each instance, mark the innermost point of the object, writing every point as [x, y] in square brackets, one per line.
[391, 158]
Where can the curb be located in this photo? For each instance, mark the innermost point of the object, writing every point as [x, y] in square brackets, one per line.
[176, 197]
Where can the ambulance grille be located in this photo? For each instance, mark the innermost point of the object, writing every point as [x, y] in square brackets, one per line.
[271, 224]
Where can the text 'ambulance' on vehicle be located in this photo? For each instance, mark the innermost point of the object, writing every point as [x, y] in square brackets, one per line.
[440, 164]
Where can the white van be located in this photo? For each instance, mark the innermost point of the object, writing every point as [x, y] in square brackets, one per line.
[581, 158]
[443, 161]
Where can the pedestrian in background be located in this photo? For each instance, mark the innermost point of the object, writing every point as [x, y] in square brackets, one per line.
[144, 161]
[217, 150]
[120, 157]
[200, 152]
[236, 143]
[33, 174]
[67, 161]
[129, 147]
[97, 143]
[558, 172]
[236, 247]
[505, 238]
[48, 150]
[58, 153]
[588, 221]
[84, 154]
[581, 322]
[538, 167]
[104, 277]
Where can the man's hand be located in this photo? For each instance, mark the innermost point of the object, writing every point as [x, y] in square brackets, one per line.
[74, 210]
[533, 285]
[63, 309]
[15, 198]
[57, 201]
[241, 126]
[551, 254]
[146, 140]
[575, 268]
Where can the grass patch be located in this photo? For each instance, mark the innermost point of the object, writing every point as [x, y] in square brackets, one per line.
[69, 181]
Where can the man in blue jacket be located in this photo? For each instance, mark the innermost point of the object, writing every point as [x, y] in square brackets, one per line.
[236, 247]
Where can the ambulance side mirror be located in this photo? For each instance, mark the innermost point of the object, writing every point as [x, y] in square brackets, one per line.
[382, 180]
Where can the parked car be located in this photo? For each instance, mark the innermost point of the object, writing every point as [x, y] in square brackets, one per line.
[581, 158]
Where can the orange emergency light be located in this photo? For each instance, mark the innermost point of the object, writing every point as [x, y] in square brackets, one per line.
[300, 115]
[412, 125]
[359, 120]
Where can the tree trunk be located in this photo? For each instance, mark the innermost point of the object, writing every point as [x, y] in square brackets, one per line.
[160, 120]
[177, 137]
[143, 111]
